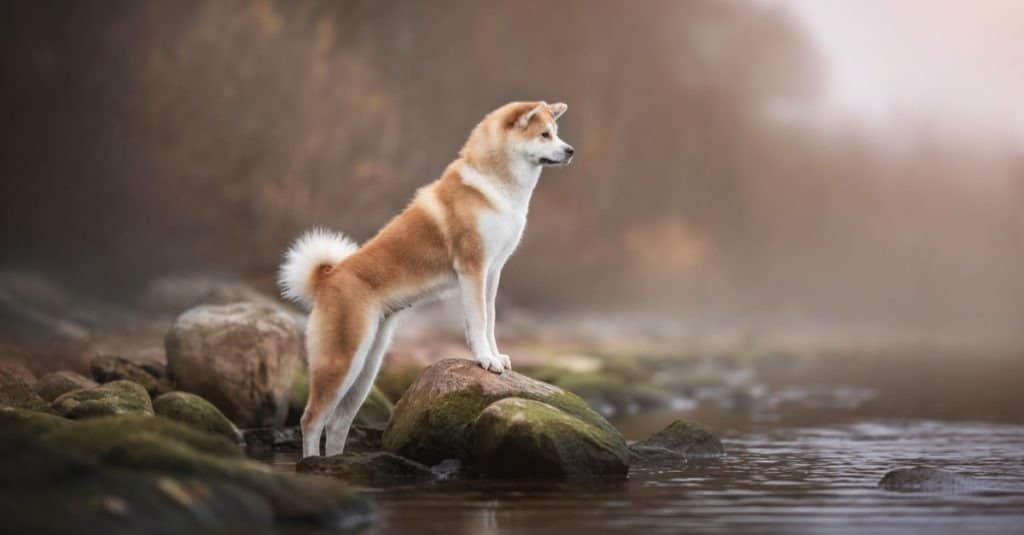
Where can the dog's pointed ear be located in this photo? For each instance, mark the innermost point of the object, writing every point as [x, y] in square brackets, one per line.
[524, 119]
[557, 109]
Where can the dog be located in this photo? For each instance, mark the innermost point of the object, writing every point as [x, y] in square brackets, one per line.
[456, 234]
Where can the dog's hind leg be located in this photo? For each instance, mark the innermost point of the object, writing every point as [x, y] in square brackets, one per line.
[338, 346]
[340, 420]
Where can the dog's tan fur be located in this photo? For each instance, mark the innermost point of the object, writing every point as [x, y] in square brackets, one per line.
[447, 237]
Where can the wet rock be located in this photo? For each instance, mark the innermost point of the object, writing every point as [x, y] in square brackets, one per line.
[111, 399]
[179, 476]
[53, 385]
[435, 419]
[520, 437]
[374, 468]
[195, 411]
[680, 441]
[151, 376]
[927, 480]
[17, 388]
[262, 441]
[240, 357]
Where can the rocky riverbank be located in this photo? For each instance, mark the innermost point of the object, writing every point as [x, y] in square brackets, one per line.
[157, 441]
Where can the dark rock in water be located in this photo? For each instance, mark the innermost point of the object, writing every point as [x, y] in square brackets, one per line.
[17, 388]
[521, 437]
[107, 368]
[53, 385]
[927, 480]
[267, 440]
[436, 419]
[262, 441]
[241, 357]
[138, 474]
[376, 468]
[195, 411]
[111, 399]
[680, 441]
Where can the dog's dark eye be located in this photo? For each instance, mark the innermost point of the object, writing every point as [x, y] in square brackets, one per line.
[546, 135]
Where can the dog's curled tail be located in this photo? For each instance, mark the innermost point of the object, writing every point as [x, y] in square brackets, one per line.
[308, 259]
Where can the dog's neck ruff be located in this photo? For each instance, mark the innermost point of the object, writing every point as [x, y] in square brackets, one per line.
[510, 194]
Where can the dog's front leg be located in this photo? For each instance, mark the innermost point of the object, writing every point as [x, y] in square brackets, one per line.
[493, 277]
[474, 306]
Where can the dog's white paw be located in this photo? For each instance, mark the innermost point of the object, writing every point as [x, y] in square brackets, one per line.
[505, 361]
[491, 364]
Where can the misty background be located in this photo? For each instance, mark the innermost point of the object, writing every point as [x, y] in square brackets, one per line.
[751, 165]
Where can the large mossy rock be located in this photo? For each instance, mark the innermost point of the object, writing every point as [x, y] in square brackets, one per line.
[112, 399]
[143, 474]
[436, 417]
[108, 368]
[53, 385]
[521, 437]
[679, 442]
[241, 357]
[196, 412]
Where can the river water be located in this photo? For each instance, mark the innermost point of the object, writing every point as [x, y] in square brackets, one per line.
[805, 455]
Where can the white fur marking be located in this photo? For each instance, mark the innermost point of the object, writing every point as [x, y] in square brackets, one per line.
[314, 249]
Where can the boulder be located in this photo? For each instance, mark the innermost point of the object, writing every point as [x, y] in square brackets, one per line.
[16, 372]
[151, 376]
[927, 480]
[111, 399]
[240, 357]
[679, 442]
[436, 417]
[521, 437]
[196, 412]
[372, 468]
[133, 474]
[54, 384]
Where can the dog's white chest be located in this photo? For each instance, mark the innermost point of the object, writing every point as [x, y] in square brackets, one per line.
[501, 232]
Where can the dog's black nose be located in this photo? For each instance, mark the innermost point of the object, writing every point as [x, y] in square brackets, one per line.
[569, 151]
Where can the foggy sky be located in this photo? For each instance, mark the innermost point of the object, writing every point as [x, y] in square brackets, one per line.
[958, 63]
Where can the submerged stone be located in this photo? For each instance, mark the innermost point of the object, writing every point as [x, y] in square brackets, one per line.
[927, 480]
[375, 467]
[680, 441]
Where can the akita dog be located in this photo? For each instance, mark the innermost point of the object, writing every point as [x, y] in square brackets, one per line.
[457, 233]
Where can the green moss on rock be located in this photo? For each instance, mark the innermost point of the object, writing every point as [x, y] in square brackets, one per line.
[521, 437]
[111, 399]
[196, 412]
[434, 419]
